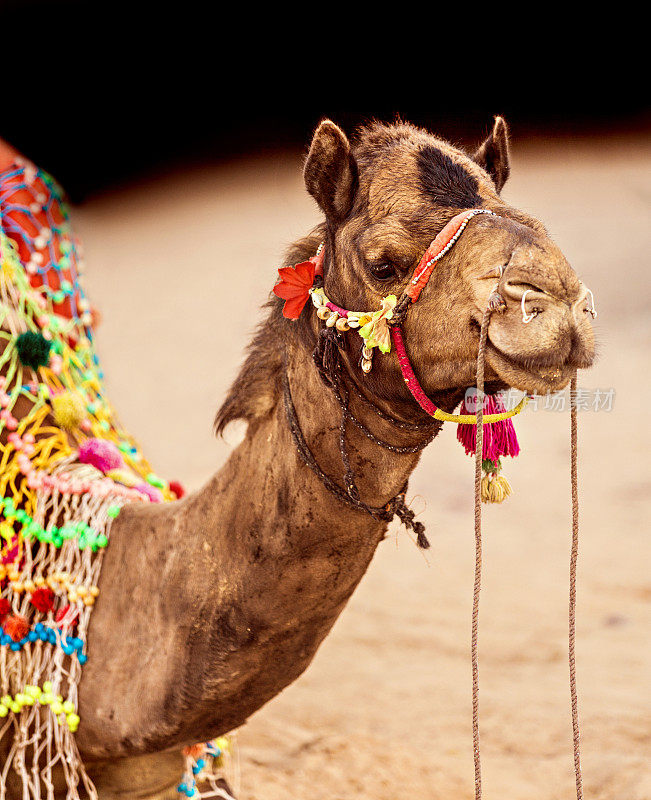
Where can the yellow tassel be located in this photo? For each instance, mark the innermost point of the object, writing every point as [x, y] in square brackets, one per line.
[69, 410]
[494, 488]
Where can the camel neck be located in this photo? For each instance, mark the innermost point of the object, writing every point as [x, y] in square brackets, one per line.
[242, 579]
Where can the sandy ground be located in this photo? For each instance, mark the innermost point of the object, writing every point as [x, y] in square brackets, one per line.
[179, 267]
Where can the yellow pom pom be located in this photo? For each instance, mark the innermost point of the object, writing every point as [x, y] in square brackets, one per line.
[494, 488]
[69, 410]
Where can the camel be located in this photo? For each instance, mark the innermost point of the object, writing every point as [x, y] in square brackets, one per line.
[211, 605]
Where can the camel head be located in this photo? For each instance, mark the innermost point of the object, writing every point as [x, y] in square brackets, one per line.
[385, 197]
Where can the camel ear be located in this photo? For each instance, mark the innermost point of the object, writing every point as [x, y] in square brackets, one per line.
[493, 155]
[330, 171]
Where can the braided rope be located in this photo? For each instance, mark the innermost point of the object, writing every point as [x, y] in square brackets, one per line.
[572, 602]
[481, 356]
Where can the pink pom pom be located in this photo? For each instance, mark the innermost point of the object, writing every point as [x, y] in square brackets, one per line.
[101, 454]
[152, 493]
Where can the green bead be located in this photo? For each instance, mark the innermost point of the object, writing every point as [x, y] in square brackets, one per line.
[113, 511]
[154, 480]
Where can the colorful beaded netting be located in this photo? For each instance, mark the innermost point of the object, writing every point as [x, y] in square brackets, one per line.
[66, 468]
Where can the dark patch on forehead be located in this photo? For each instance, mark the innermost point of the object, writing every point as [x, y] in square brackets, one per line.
[444, 181]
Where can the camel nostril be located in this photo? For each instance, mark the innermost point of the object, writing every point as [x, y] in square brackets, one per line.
[531, 298]
[516, 289]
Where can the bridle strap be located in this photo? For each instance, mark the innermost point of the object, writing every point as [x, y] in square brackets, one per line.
[444, 240]
[416, 390]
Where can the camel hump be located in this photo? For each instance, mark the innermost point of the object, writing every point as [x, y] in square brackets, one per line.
[8, 154]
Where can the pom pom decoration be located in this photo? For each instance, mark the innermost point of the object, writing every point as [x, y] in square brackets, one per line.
[5, 607]
[152, 493]
[16, 626]
[499, 439]
[42, 599]
[33, 349]
[69, 410]
[101, 454]
[494, 487]
[177, 488]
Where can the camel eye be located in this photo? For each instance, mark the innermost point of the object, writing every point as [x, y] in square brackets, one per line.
[383, 272]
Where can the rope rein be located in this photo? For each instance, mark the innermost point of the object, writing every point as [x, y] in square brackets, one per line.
[481, 357]
[574, 437]
[474, 643]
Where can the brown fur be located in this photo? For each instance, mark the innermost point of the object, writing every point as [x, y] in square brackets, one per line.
[210, 606]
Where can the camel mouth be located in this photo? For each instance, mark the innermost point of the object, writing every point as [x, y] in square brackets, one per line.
[541, 377]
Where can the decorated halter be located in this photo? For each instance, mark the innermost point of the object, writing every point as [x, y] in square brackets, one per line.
[486, 435]
[380, 328]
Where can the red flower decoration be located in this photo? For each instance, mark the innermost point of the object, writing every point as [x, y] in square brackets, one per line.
[42, 599]
[294, 287]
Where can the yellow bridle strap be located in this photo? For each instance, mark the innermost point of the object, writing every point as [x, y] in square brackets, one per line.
[471, 419]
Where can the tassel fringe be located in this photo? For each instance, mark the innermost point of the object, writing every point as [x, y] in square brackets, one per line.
[499, 439]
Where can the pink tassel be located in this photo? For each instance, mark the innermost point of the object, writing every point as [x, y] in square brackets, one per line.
[499, 437]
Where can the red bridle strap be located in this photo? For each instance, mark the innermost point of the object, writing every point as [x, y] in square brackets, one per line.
[439, 247]
[423, 400]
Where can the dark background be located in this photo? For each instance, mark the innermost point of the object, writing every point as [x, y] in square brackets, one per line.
[99, 94]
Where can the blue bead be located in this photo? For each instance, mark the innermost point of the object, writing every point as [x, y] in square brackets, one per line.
[15, 646]
[33, 636]
[39, 627]
[43, 635]
[181, 788]
[24, 641]
[68, 650]
[82, 658]
[77, 643]
[4, 639]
